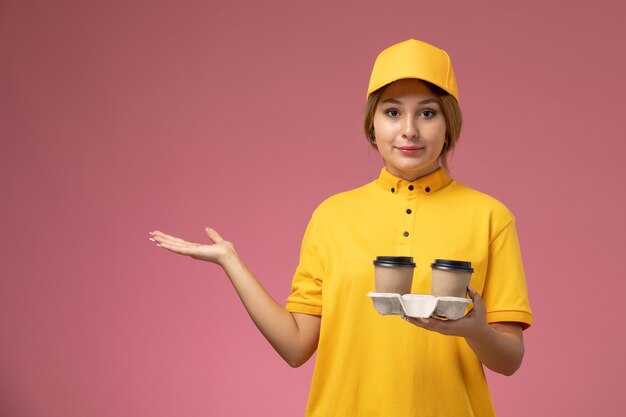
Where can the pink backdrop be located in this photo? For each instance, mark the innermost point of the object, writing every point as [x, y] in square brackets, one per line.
[119, 117]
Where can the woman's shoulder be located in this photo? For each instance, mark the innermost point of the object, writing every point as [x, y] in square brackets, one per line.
[470, 198]
[347, 200]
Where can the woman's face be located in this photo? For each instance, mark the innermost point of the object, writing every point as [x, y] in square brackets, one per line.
[410, 129]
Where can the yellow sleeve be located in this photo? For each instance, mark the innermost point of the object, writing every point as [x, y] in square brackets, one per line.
[306, 288]
[505, 292]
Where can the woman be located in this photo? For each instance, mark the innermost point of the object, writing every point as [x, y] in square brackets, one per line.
[371, 365]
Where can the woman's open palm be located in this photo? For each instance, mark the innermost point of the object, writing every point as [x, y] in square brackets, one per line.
[216, 252]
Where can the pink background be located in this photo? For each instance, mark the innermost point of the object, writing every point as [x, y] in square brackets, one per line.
[121, 117]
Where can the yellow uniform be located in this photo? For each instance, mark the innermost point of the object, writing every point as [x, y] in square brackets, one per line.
[373, 365]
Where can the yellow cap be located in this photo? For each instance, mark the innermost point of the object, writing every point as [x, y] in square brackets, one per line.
[413, 59]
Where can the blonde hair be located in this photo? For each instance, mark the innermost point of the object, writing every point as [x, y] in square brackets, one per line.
[449, 107]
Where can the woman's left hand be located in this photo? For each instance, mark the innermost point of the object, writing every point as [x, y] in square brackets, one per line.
[473, 323]
[499, 346]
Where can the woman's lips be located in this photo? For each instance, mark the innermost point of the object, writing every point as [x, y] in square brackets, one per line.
[409, 150]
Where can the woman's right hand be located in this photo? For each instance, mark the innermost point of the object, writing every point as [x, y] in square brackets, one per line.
[217, 252]
[294, 336]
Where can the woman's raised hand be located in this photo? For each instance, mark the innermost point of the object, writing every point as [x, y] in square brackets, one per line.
[216, 252]
[294, 336]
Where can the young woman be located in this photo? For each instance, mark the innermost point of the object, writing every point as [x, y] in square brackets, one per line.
[373, 365]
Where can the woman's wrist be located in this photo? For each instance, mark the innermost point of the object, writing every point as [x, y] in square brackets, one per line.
[479, 333]
[230, 258]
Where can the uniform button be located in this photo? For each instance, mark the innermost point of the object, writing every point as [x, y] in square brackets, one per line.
[393, 190]
[410, 187]
[406, 234]
[408, 211]
[427, 189]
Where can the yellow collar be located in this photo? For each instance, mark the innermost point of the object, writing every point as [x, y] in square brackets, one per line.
[427, 184]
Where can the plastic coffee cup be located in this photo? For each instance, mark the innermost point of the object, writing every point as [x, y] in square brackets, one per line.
[450, 278]
[394, 274]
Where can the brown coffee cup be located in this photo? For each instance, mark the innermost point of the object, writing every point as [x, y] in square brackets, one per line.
[394, 274]
[450, 278]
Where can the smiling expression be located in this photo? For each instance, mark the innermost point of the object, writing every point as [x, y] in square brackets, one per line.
[410, 129]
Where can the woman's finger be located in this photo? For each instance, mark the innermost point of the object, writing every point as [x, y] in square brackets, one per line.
[157, 233]
[182, 249]
[473, 293]
[478, 309]
[432, 324]
[213, 235]
[160, 239]
[477, 300]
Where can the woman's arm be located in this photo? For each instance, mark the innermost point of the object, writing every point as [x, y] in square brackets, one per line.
[293, 335]
[499, 346]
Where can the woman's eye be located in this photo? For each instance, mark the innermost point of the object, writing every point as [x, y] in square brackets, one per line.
[392, 112]
[427, 113]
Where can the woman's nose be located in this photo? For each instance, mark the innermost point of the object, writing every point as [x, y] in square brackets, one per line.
[409, 130]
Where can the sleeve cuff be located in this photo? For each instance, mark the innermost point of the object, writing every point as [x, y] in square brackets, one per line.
[304, 308]
[523, 317]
